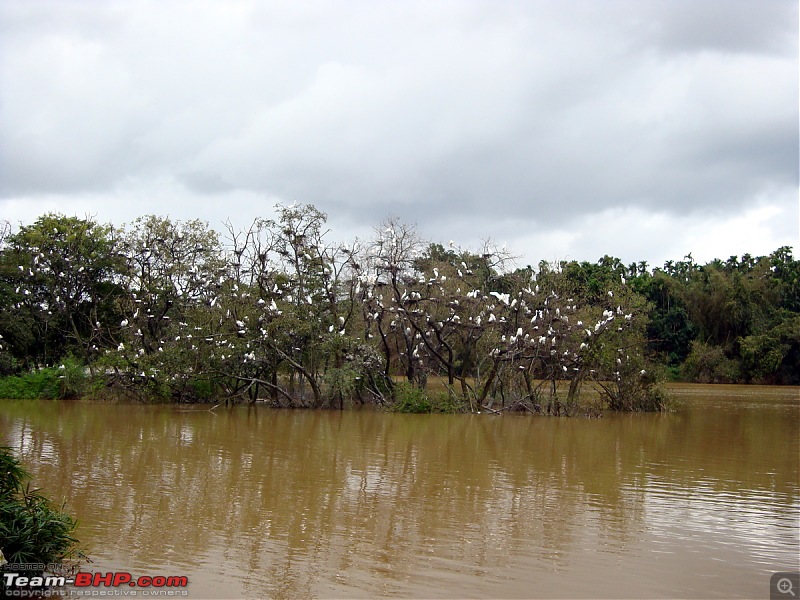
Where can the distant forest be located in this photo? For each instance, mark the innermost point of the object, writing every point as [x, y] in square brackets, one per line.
[175, 310]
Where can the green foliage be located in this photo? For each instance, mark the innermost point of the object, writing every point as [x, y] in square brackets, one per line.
[32, 530]
[73, 380]
[709, 364]
[42, 383]
[633, 388]
[670, 331]
[58, 277]
[203, 389]
[410, 399]
[170, 310]
[445, 402]
[68, 380]
[413, 399]
[12, 475]
[773, 356]
[341, 383]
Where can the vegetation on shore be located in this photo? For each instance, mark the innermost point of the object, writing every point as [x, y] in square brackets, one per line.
[175, 311]
[32, 530]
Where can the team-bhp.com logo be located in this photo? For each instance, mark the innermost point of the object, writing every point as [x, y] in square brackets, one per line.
[94, 584]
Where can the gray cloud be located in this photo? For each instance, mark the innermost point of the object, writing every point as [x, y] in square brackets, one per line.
[480, 117]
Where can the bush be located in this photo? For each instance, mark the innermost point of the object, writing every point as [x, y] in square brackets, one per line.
[634, 386]
[709, 364]
[30, 386]
[341, 384]
[72, 378]
[31, 529]
[410, 399]
[445, 402]
[68, 380]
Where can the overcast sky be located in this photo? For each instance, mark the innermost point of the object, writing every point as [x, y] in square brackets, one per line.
[566, 129]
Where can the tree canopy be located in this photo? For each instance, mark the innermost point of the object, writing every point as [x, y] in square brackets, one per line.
[173, 309]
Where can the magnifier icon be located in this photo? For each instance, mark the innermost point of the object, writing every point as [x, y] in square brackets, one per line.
[785, 586]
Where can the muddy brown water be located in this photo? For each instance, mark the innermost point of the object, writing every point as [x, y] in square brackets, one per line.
[258, 503]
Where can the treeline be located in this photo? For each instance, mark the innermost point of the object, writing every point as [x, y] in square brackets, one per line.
[732, 321]
[175, 310]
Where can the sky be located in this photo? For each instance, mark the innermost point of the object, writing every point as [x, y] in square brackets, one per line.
[564, 130]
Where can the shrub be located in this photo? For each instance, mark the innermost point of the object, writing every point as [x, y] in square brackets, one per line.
[445, 402]
[634, 385]
[30, 386]
[410, 399]
[72, 378]
[341, 384]
[31, 529]
[709, 364]
[68, 380]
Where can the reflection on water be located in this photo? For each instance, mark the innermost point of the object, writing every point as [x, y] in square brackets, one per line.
[252, 502]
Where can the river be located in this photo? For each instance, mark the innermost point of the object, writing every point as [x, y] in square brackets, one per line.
[253, 502]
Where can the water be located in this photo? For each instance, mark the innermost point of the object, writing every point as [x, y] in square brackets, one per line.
[252, 502]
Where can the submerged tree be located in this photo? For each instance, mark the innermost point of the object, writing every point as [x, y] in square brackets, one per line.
[277, 311]
[174, 272]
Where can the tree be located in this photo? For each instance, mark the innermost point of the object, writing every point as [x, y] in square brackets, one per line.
[174, 277]
[65, 285]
